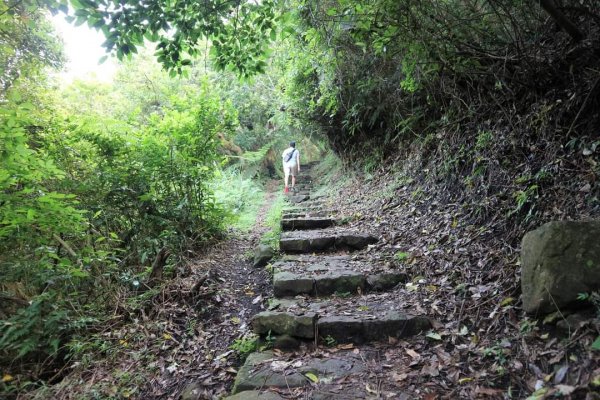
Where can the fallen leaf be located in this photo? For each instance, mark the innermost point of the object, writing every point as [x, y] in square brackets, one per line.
[596, 344]
[560, 374]
[399, 377]
[488, 391]
[413, 354]
[369, 389]
[257, 299]
[565, 390]
[279, 366]
[507, 301]
[172, 368]
[312, 377]
[7, 378]
[433, 335]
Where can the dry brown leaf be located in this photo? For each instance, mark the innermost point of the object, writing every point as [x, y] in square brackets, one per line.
[413, 354]
[488, 391]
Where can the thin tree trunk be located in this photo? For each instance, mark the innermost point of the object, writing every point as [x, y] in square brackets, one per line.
[562, 20]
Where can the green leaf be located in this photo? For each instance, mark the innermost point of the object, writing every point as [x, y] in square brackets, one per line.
[314, 378]
[596, 344]
[102, 60]
[433, 335]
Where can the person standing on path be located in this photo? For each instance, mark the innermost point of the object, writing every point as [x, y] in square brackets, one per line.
[291, 165]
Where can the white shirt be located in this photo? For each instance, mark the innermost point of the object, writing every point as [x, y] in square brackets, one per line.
[295, 158]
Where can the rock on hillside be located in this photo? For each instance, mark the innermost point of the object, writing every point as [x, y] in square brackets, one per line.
[560, 260]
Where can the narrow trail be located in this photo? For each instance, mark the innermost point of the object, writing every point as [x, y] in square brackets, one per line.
[331, 323]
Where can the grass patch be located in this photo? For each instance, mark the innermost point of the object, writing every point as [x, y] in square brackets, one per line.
[241, 197]
[273, 220]
[332, 174]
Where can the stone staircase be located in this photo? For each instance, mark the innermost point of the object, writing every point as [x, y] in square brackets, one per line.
[325, 294]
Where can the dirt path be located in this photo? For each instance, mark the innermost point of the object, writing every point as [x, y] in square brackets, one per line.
[178, 340]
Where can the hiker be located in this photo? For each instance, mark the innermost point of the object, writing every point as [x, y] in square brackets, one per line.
[291, 164]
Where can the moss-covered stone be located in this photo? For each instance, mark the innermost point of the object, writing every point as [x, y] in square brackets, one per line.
[559, 260]
[385, 280]
[290, 284]
[284, 323]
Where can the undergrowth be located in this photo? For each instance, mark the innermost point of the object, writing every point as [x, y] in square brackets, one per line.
[271, 237]
[240, 196]
[332, 174]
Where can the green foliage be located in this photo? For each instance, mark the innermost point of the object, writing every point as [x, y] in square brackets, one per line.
[240, 196]
[273, 220]
[239, 31]
[30, 206]
[36, 330]
[27, 43]
[401, 256]
[88, 201]
[245, 345]
[330, 341]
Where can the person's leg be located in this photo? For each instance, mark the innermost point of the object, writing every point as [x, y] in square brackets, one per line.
[286, 173]
[293, 173]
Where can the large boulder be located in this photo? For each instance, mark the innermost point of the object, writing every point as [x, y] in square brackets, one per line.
[559, 260]
[262, 255]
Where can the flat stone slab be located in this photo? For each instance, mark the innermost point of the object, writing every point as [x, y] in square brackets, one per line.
[254, 395]
[295, 199]
[353, 373]
[357, 320]
[353, 329]
[266, 370]
[290, 224]
[305, 203]
[307, 214]
[285, 323]
[329, 275]
[324, 240]
[307, 210]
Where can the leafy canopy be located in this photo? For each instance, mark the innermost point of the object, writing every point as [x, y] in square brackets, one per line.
[239, 30]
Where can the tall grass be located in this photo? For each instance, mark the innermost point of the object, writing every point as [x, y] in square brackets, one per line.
[241, 197]
[273, 220]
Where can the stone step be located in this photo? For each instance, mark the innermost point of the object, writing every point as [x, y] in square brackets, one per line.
[305, 207]
[361, 319]
[297, 198]
[307, 214]
[253, 394]
[335, 372]
[324, 240]
[290, 224]
[270, 370]
[305, 200]
[323, 276]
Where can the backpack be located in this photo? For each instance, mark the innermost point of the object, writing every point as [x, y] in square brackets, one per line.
[289, 157]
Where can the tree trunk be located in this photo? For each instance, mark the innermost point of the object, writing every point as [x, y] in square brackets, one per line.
[561, 19]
